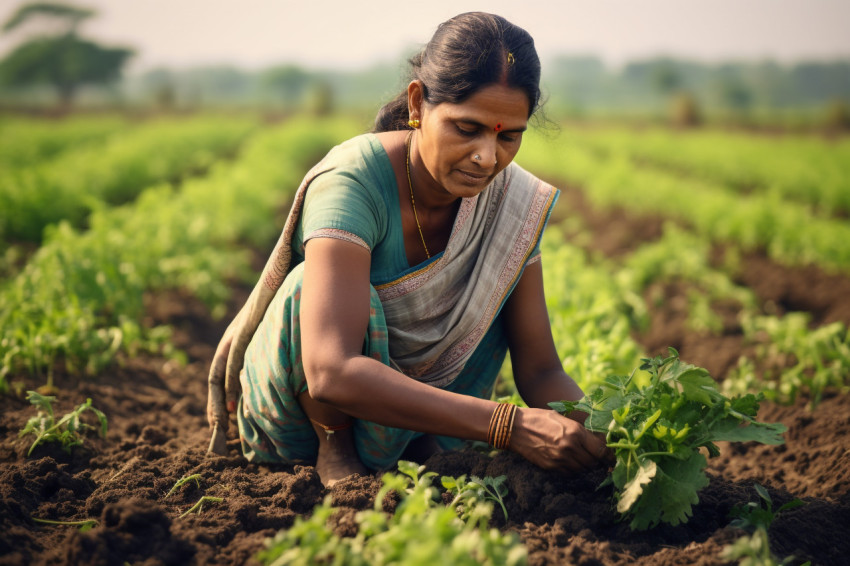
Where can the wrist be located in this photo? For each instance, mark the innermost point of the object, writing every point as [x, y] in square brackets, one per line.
[500, 429]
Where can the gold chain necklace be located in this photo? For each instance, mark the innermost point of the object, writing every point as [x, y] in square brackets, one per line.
[412, 203]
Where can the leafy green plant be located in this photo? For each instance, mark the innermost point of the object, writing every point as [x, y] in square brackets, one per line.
[421, 531]
[656, 431]
[468, 493]
[790, 233]
[806, 169]
[80, 180]
[809, 360]
[756, 517]
[760, 514]
[592, 315]
[67, 430]
[79, 301]
[752, 550]
[26, 141]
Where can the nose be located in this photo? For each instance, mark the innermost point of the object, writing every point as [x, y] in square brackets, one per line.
[485, 155]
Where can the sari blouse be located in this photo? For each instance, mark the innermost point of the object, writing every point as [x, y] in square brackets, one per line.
[454, 305]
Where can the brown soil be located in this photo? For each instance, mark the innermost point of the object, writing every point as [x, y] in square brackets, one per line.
[158, 434]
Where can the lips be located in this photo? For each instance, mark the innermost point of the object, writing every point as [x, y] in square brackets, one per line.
[473, 177]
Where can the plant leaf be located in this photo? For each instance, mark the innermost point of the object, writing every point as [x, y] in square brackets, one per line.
[698, 385]
[634, 487]
[672, 493]
[732, 430]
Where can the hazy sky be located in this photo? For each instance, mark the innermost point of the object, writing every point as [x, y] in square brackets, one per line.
[354, 34]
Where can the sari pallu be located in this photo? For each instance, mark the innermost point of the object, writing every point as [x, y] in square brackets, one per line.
[436, 315]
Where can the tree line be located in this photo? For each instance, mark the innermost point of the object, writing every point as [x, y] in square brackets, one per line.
[56, 69]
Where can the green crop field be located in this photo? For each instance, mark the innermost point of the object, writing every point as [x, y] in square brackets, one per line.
[697, 282]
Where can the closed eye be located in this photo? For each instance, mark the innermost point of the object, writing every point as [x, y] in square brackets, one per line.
[465, 132]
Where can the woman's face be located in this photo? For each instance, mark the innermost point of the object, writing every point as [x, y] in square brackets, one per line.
[488, 124]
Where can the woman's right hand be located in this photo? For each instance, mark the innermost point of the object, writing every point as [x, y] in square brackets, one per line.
[554, 442]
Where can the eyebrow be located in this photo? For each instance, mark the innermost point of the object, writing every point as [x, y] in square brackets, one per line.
[486, 127]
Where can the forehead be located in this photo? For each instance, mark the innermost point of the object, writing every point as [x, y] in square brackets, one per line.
[490, 105]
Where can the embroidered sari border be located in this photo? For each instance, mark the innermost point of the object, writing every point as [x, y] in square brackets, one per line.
[408, 282]
[337, 234]
[467, 344]
[408, 276]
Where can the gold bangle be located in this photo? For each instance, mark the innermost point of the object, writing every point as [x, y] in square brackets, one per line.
[494, 424]
[504, 431]
[507, 444]
[501, 426]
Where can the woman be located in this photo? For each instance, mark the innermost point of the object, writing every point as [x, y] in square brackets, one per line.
[423, 238]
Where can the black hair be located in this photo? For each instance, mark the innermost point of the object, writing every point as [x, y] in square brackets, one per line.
[467, 53]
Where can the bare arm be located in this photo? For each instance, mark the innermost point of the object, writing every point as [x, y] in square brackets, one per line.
[540, 434]
[334, 318]
[539, 375]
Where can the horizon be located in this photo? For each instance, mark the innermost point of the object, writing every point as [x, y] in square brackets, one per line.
[188, 34]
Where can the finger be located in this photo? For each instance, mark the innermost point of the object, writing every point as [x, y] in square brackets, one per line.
[218, 441]
[583, 457]
[595, 445]
[608, 455]
[216, 410]
[235, 359]
[232, 389]
[216, 414]
[215, 393]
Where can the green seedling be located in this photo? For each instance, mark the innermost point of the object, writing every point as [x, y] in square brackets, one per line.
[83, 526]
[754, 550]
[468, 493]
[422, 531]
[755, 517]
[183, 481]
[760, 514]
[656, 432]
[66, 431]
[199, 506]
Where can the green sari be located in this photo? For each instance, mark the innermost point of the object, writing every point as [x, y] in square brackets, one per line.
[437, 322]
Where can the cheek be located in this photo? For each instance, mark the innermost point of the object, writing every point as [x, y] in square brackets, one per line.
[506, 155]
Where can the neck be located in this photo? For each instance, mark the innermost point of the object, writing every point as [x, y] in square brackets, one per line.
[431, 197]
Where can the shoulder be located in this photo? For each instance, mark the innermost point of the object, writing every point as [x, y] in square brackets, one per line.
[346, 191]
[358, 164]
[360, 155]
[514, 177]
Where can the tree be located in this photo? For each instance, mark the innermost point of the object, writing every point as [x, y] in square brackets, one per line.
[288, 82]
[64, 61]
[666, 78]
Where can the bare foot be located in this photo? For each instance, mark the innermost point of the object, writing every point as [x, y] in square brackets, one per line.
[338, 458]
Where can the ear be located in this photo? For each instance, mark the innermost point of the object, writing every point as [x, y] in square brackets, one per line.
[415, 99]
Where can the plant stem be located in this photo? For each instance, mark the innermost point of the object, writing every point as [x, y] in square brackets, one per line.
[198, 507]
[82, 523]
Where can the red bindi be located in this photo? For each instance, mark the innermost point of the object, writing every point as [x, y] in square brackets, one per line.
[498, 127]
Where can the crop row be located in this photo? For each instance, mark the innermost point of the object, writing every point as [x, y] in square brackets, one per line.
[80, 180]
[790, 233]
[596, 305]
[26, 141]
[79, 299]
[592, 313]
[806, 169]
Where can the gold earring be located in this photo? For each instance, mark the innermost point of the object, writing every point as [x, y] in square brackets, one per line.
[413, 123]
